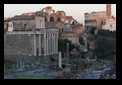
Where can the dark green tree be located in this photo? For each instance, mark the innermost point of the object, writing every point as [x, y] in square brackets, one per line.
[105, 47]
[62, 45]
[103, 32]
[92, 30]
[81, 41]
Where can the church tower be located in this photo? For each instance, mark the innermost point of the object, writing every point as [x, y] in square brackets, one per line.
[108, 10]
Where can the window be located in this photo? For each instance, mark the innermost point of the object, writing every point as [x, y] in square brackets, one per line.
[40, 23]
[24, 25]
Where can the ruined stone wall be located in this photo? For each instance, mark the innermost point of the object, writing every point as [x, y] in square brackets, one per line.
[18, 44]
[78, 29]
[23, 24]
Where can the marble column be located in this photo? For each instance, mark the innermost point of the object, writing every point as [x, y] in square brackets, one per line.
[57, 43]
[60, 60]
[39, 44]
[54, 45]
[51, 43]
[85, 45]
[34, 43]
[47, 43]
[17, 63]
[44, 43]
[20, 63]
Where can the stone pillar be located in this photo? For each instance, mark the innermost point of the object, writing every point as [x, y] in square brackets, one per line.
[60, 60]
[49, 47]
[57, 43]
[85, 45]
[20, 63]
[60, 69]
[39, 44]
[44, 43]
[23, 64]
[17, 63]
[34, 43]
[54, 45]
[47, 44]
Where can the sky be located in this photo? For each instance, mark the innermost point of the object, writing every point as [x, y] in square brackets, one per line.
[75, 10]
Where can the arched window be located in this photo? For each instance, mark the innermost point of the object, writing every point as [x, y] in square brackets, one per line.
[51, 19]
[73, 22]
[58, 20]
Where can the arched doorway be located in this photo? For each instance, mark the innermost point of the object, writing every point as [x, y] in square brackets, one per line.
[51, 19]
[73, 22]
[58, 20]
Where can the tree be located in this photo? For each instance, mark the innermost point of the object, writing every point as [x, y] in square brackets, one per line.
[92, 30]
[62, 45]
[103, 32]
[81, 40]
[105, 47]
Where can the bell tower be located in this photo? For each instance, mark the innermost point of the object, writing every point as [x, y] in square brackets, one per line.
[108, 10]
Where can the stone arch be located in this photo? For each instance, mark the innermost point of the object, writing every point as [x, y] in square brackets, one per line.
[73, 22]
[58, 19]
[51, 19]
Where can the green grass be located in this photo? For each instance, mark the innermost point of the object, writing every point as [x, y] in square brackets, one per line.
[11, 72]
[33, 77]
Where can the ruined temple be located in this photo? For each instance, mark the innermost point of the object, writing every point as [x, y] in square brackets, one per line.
[29, 41]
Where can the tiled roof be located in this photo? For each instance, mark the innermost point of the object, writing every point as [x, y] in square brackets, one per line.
[19, 17]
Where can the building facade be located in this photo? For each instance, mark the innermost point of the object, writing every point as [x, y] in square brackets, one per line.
[26, 42]
[57, 19]
[110, 25]
[110, 21]
[95, 19]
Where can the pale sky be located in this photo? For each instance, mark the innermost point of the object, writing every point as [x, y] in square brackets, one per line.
[75, 10]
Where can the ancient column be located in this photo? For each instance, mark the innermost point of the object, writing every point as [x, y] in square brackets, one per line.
[68, 50]
[44, 43]
[57, 43]
[34, 43]
[47, 44]
[60, 59]
[50, 43]
[54, 45]
[85, 45]
[20, 63]
[17, 63]
[39, 44]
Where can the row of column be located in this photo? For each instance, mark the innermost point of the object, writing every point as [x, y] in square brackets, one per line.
[50, 44]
